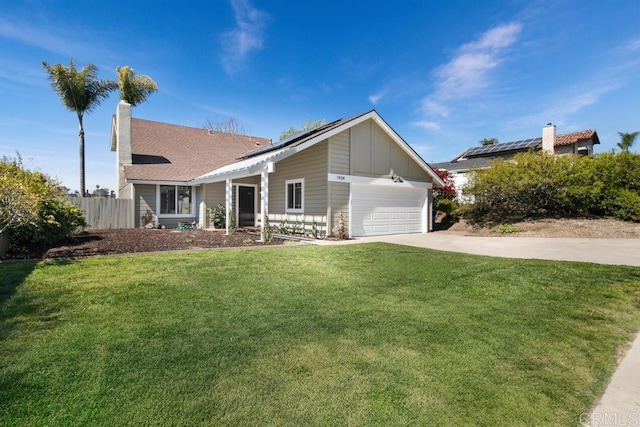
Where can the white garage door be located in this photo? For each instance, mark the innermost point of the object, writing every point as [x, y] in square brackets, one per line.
[377, 210]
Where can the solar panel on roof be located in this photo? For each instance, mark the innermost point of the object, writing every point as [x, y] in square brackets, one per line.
[288, 141]
[507, 146]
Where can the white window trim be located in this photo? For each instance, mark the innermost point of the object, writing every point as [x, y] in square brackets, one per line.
[286, 196]
[193, 202]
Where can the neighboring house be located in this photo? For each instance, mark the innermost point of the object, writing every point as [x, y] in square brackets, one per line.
[577, 143]
[358, 166]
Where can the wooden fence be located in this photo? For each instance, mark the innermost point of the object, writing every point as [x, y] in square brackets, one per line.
[104, 212]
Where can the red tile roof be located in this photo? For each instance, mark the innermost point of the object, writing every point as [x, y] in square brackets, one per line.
[574, 137]
[166, 152]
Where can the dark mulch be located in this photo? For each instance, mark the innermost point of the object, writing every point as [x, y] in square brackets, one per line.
[135, 240]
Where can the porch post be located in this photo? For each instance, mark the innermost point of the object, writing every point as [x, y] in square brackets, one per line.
[227, 201]
[264, 200]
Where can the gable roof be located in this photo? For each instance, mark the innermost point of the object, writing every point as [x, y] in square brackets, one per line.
[253, 162]
[166, 152]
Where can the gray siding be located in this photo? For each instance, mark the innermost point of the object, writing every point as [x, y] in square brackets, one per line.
[338, 192]
[310, 164]
[213, 194]
[373, 153]
[145, 198]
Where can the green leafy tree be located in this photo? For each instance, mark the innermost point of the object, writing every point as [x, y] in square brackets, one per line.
[627, 140]
[81, 92]
[306, 126]
[488, 141]
[134, 89]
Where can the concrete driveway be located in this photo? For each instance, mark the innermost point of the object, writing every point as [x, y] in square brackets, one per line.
[600, 251]
[620, 403]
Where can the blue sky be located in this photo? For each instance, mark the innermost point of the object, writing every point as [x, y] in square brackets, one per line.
[444, 74]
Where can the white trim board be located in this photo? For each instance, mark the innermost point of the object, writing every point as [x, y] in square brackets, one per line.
[355, 179]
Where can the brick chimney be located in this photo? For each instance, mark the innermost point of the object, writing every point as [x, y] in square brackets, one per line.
[549, 138]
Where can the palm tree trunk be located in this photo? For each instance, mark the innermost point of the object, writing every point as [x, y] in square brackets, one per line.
[81, 137]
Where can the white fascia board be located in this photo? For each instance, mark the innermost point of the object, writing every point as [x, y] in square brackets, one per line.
[243, 168]
[387, 182]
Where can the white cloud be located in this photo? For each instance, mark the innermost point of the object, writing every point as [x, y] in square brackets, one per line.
[53, 39]
[375, 99]
[428, 125]
[565, 103]
[246, 37]
[434, 108]
[634, 44]
[468, 73]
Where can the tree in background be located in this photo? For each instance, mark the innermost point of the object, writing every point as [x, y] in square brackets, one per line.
[134, 89]
[101, 192]
[230, 125]
[306, 126]
[81, 92]
[488, 141]
[627, 140]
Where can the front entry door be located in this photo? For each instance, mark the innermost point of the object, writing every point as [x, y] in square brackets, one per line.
[246, 206]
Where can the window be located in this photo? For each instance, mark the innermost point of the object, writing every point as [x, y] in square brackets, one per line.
[295, 196]
[175, 200]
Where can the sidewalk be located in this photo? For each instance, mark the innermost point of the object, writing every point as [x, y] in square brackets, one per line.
[620, 403]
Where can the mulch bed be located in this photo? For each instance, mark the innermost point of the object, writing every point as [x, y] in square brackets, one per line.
[136, 240]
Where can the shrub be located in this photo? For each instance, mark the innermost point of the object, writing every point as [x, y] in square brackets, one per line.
[540, 185]
[21, 192]
[508, 229]
[446, 206]
[623, 204]
[340, 229]
[218, 216]
[31, 207]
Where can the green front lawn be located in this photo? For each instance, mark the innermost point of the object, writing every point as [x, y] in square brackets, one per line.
[346, 335]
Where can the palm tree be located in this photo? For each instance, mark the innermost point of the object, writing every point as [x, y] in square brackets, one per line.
[80, 91]
[134, 89]
[627, 140]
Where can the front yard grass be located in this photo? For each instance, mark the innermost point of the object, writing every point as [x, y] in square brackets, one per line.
[369, 334]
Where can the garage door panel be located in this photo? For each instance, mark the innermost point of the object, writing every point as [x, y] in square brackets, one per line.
[379, 210]
[401, 216]
[380, 216]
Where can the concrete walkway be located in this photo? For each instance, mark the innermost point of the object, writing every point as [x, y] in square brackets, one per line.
[620, 403]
